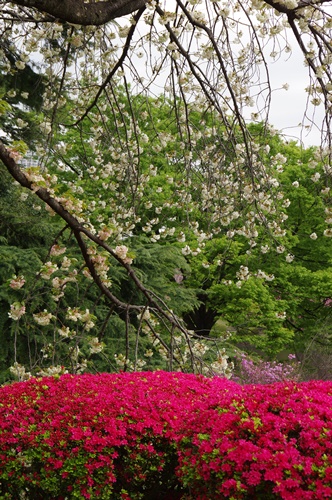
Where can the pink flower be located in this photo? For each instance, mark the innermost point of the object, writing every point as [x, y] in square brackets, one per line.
[90, 433]
[17, 282]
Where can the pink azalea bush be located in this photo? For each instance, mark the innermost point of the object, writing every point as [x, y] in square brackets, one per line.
[164, 436]
[265, 372]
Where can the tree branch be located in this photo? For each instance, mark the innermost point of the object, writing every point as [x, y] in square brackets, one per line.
[78, 229]
[85, 14]
[116, 67]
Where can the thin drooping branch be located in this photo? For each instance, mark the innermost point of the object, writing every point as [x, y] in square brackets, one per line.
[238, 115]
[83, 13]
[118, 65]
[95, 276]
[198, 73]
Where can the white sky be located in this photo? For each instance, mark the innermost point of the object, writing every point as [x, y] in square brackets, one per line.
[288, 107]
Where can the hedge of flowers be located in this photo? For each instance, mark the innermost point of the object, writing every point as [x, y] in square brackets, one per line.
[158, 435]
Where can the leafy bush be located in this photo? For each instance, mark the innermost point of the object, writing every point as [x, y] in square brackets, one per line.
[164, 435]
[259, 371]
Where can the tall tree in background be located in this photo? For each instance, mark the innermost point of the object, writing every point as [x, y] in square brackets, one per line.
[76, 96]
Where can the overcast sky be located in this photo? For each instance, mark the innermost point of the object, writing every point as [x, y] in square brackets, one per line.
[288, 107]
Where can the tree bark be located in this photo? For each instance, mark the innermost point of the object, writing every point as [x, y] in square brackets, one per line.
[79, 12]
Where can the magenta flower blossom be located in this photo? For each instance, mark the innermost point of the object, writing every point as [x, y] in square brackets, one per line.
[178, 435]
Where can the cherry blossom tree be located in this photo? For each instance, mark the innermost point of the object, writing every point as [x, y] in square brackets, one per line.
[98, 143]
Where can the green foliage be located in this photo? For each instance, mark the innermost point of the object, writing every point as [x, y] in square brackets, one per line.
[269, 302]
[157, 266]
[283, 309]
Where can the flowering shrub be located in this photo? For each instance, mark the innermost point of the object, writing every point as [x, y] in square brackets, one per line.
[164, 435]
[266, 372]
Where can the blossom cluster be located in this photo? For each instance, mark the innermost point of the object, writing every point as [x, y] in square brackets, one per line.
[183, 435]
[266, 372]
